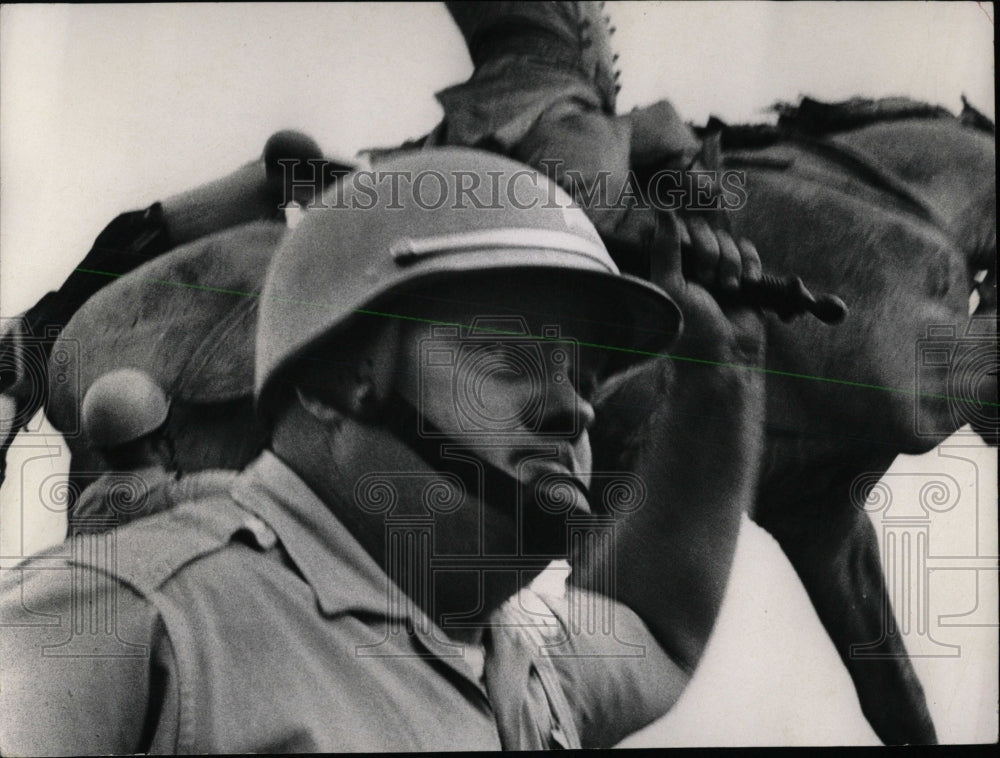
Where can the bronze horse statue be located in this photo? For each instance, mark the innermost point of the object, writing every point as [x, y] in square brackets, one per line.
[896, 215]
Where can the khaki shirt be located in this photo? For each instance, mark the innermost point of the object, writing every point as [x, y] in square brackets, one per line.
[251, 620]
[118, 497]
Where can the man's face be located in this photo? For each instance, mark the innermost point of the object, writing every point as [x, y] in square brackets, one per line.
[498, 373]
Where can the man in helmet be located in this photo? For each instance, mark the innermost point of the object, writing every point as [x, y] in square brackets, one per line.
[434, 368]
[124, 416]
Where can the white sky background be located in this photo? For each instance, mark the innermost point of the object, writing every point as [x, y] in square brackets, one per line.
[109, 108]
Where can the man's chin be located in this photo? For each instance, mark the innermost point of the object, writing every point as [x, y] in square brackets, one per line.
[557, 490]
[553, 503]
[531, 508]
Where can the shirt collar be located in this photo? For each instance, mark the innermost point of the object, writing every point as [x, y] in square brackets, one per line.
[341, 573]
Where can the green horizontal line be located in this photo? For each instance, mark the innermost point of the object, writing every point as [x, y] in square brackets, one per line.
[632, 351]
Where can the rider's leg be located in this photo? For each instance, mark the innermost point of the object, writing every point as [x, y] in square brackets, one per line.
[588, 153]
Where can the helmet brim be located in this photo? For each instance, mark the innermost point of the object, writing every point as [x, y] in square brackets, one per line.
[629, 318]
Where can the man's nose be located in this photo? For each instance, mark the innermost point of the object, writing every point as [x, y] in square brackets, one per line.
[566, 411]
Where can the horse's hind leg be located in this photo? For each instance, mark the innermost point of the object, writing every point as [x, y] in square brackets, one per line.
[834, 548]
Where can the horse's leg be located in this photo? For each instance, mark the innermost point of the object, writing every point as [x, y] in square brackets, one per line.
[833, 547]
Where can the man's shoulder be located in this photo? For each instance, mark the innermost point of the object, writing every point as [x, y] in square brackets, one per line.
[152, 551]
[162, 545]
[147, 553]
[117, 496]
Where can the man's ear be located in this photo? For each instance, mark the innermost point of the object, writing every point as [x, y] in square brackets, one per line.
[376, 369]
[362, 380]
[318, 409]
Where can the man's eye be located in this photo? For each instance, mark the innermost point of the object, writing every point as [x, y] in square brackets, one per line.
[592, 371]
